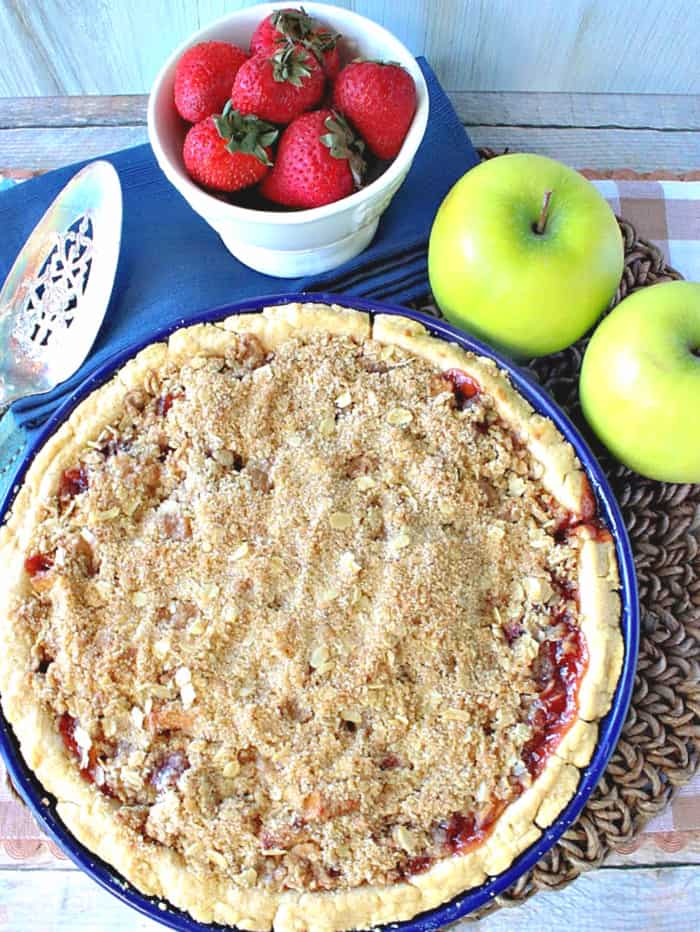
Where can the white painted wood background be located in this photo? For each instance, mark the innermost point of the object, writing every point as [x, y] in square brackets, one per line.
[117, 46]
[642, 132]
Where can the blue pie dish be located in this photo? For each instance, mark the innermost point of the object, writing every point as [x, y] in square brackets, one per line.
[42, 804]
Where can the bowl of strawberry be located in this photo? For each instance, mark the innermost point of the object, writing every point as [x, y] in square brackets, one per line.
[289, 130]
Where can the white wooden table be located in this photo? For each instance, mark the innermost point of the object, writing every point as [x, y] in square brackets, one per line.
[641, 132]
[652, 888]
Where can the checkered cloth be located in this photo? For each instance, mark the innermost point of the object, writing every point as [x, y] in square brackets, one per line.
[665, 212]
[668, 214]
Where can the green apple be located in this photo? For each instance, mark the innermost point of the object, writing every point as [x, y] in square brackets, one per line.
[524, 253]
[640, 382]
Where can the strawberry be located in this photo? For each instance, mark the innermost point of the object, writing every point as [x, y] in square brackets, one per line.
[203, 78]
[318, 161]
[379, 99]
[279, 27]
[330, 56]
[292, 25]
[279, 88]
[229, 151]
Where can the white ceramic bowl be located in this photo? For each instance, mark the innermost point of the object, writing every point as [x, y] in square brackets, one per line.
[303, 242]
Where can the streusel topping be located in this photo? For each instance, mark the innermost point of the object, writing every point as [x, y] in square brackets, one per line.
[297, 613]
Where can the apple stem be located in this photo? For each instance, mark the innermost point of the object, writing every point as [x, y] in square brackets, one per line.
[542, 221]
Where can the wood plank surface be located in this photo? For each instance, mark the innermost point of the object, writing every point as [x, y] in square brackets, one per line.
[89, 48]
[617, 900]
[614, 900]
[86, 110]
[639, 150]
[25, 149]
[577, 45]
[624, 131]
[664, 849]
[486, 108]
[598, 111]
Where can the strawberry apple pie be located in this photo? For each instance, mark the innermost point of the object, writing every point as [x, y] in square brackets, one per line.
[307, 620]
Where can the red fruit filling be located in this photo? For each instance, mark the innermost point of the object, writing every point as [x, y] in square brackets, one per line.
[38, 563]
[566, 588]
[559, 668]
[571, 522]
[567, 523]
[417, 865]
[165, 403]
[465, 832]
[464, 386]
[66, 726]
[560, 665]
[390, 762]
[586, 518]
[73, 482]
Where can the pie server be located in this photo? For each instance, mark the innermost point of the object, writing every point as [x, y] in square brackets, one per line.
[55, 297]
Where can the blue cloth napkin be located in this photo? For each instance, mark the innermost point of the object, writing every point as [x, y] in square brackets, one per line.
[172, 264]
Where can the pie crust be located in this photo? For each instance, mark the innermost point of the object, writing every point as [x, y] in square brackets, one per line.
[211, 893]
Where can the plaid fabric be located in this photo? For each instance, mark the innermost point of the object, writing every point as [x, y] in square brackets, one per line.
[668, 214]
[665, 212]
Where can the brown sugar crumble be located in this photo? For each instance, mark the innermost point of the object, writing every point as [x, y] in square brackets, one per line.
[309, 618]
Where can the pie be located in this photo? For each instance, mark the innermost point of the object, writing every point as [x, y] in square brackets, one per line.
[307, 619]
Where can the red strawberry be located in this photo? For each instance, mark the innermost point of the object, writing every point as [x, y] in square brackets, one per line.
[330, 57]
[203, 78]
[230, 151]
[281, 87]
[277, 28]
[318, 161]
[379, 100]
[297, 26]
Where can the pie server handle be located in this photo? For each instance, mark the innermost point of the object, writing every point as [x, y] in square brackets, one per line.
[13, 444]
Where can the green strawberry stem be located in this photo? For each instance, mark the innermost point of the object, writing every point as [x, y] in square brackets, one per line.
[321, 42]
[293, 24]
[324, 41]
[297, 27]
[289, 64]
[344, 144]
[245, 133]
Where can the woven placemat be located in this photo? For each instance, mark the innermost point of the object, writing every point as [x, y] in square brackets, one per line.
[659, 750]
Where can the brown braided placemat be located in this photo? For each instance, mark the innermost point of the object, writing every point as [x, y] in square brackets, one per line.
[659, 749]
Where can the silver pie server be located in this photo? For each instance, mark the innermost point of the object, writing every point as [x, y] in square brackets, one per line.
[55, 297]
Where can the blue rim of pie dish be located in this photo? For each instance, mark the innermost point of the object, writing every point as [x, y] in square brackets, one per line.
[42, 804]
